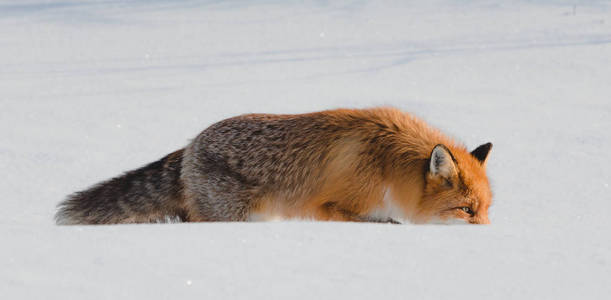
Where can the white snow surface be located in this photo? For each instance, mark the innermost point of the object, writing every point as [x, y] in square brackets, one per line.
[89, 89]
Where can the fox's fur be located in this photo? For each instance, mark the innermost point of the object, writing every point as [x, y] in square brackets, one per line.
[376, 165]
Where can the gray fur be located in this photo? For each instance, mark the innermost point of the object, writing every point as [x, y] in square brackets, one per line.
[148, 194]
[225, 170]
[238, 160]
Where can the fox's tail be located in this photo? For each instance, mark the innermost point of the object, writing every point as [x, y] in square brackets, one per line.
[152, 193]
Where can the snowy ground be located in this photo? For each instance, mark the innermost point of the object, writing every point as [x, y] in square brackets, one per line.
[89, 89]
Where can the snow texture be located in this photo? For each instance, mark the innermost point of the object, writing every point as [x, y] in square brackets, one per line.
[89, 89]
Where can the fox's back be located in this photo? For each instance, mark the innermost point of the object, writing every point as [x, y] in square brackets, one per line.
[270, 150]
[290, 149]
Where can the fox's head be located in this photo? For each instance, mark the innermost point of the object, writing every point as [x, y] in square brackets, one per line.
[456, 188]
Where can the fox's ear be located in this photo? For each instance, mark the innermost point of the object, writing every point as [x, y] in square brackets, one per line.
[481, 152]
[442, 162]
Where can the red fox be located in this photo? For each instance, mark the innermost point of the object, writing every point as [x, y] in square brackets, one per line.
[362, 165]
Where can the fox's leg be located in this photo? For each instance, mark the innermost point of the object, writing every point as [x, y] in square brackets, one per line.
[388, 220]
[217, 200]
[214, 192]
[358, 218]
[331, 212]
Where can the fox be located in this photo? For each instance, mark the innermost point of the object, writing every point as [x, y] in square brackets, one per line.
[379, 165]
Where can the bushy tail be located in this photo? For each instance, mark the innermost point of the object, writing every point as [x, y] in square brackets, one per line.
[152, 193]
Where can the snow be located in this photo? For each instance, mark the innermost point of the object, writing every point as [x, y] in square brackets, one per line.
[89, 89]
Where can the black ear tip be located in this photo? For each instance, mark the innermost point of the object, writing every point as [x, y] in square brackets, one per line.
[485, 147]
[482, 151]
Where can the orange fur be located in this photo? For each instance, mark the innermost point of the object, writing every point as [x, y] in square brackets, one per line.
[388, 150]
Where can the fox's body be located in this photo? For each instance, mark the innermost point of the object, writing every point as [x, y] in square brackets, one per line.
[378, 165]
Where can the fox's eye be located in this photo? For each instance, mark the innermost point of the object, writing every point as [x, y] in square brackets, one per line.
[467, 210]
